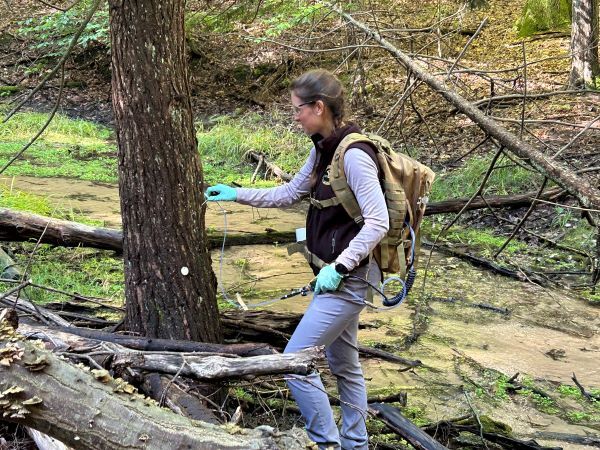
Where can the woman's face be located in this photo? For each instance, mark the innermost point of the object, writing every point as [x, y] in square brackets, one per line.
[314, 117]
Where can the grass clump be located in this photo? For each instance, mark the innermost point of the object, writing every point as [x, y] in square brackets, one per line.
[224, 146]
[464, 182]
[88, 272]
[23, 201]
[543, 15]
[68, 148]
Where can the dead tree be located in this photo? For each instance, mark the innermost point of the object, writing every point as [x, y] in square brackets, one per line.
[102, 413]
[577, 185]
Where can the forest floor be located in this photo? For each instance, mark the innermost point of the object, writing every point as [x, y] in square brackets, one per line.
[235, 79]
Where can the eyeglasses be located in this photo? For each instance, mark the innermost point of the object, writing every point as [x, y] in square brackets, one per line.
[296, 109]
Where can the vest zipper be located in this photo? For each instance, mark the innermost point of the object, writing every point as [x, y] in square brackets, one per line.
[333, 242]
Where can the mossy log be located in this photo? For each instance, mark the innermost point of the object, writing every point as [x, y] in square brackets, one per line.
[20, 226]
[89, 410]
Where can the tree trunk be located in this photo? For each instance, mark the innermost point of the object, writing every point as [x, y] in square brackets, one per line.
[169, 283]
[85, 413]
[584, 45]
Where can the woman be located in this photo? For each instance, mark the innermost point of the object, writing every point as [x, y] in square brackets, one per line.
[335, 240]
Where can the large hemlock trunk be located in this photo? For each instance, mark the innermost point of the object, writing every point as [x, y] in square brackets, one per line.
[584, 44]
[170, 286]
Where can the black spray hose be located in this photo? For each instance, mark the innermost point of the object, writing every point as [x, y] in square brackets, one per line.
[406, 287]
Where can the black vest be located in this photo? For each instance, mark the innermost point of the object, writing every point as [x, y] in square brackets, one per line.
[330, 230]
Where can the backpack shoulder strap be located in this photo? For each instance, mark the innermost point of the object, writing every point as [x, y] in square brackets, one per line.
[338, 180]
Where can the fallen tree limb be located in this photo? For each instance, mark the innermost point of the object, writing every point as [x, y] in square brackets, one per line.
[557, 171]
[37, 311]
[165, 345]
[448, 428]
[80, 337]
[69, 404]
[220, 367]
[494, 201]
[19, 226]
[591, 440]
[477, 261]
[394, 419]
[197, 365]
[275, 170]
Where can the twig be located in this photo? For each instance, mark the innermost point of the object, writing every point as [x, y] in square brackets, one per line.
[163, 396]
[60, 63]
[18, 288]
[58, 7]
[585, 393]
[39, 133]
[476, 418]
[568, 206]
[545, 122]
[524, 91]
[566, 146]
[523, 219]
[467, 45]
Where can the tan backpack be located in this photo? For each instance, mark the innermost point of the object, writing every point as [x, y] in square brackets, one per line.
[406, 185]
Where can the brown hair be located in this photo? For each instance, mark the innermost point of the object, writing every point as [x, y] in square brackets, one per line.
[320, 84]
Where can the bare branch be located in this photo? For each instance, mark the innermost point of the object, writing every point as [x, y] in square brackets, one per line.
[60, 63]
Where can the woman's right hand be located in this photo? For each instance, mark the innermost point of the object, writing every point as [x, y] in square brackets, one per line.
[221, 193]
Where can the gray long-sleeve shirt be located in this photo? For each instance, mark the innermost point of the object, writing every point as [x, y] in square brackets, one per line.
[361, 173]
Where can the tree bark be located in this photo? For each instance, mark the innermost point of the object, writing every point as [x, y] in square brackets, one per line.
[584, 45]
[19, 226]
[212, 368]
[86, 413]
[151, 345]
[169, 283]
[581, 188]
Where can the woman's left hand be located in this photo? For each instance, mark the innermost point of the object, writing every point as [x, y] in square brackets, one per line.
[328, 279]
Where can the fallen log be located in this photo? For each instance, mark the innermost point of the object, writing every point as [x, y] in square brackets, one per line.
[19, 226]
[209, 367]
[494, 201]
[41, 391]
[168, 345]
[470, 425]
[197, 365]
[589, 440]
[555, 170]
[394, 419]
[76, 337]
[23, 305]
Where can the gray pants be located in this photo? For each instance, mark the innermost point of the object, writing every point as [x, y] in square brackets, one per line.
[332, 320]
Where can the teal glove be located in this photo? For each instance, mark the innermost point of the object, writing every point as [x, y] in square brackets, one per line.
[221, 193]
[328, 279]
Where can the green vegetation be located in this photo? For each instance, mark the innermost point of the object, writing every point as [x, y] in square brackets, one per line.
[80, 149]
[23, 201]
[89, 272]
[272, 17]
[464, 182]
[52, 33]
[223, 148]
[68, 148]
[543, 15]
